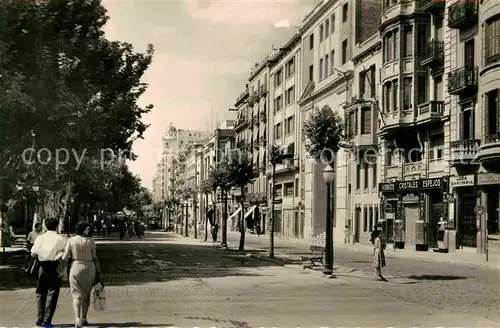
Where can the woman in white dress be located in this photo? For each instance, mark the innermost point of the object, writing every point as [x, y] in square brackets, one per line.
[84, 272]
[378, 255]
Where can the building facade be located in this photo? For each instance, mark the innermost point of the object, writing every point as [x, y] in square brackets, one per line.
[285, 132]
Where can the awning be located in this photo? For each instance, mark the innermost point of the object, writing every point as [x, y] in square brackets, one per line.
[235, 213]
[250, 211]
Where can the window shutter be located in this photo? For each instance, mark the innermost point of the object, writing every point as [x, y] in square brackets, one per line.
[462, 125]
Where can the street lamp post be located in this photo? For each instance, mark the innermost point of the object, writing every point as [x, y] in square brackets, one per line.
[329, 177]
[186, 221]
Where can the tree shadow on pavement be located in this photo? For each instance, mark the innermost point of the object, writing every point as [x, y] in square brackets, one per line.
[436, 277]
[138, 262]
[118, 324]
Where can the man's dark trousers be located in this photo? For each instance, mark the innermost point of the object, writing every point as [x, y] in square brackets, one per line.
[47, 290]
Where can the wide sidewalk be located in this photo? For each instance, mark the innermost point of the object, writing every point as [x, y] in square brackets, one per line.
[171, 281]
[467, 255]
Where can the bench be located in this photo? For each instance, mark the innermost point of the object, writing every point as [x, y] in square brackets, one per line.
[314, 259]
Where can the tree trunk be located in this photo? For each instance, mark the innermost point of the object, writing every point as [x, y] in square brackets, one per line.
[224, 222]
[206, 218]
[242, 221]
[271, 221]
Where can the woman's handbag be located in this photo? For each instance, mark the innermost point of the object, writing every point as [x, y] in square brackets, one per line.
[99, 298]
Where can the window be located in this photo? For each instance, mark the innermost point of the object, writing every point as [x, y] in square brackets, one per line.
[366, 120]
[332, 61]
[366, 176]
[436, 146]
[311, 73]
[422, 38]
[438, 88]
[391, 45]
[371, 219]
[407, 93]
[289, 125]
[327, 68]
[277, 131]
[358, 176]
[288, 189]
[327, 28]
[290, 96]
[278, 103]
[333, 23]
[365, 220]
[408, 40]
[386, 101]
[296, 187]
[422, 89]
[321, 31]
[351, 128]
[374, 174]
[344, 52]
[469, 53]
[467, 124]
[362, 79]
[345, 12]
[290, 68]
[278, 77]
[492, 107]
[321, 69]
[492, 40]
[395, 95]
[311, 41]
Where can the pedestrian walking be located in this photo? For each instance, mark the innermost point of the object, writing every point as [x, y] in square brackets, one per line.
[48, 249]
[373, 235]
[30, 241]
[378, 255]
[84, 272]
[347, 235]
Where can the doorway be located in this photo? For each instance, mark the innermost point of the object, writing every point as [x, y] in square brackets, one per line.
[357, 223]
[411, 216]
[492, 210]
[467, 220]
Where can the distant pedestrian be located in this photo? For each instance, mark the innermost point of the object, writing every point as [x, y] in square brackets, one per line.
[378, 255]
[30, 241]
[347, 235]
[373, 235]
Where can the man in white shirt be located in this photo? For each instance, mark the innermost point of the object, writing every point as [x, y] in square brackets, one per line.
[48, 248]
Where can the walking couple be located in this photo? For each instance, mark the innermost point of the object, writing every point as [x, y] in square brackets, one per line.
[51, 250]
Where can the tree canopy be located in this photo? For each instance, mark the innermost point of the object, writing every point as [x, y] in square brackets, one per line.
[70, 91]
[241, 170]
[324, 132]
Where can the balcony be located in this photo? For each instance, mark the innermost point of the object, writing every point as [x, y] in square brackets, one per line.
[263, 141]
[463, 151]
[433, 54]
[432, 6]
[463, 14]
[430, 111]
[240, 124]
[256, 121]
[364, 140]
[463, 80]
[488, 154]
[396, 120]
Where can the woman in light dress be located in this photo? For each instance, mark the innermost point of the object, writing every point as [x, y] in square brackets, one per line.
[378, 255]
[84, 272]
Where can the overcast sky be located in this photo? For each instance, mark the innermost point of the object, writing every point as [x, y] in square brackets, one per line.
[203, 54]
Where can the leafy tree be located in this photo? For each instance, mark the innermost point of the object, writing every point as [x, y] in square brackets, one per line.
[241, 172]
[324, 132]
[65, 86]
[218, 176]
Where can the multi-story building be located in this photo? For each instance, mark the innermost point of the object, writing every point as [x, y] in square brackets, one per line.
[329, 35]
[251, 135]
[472, 80]
[361, 117]
[285, 132]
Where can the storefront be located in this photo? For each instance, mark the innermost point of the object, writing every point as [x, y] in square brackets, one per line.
[489, 185]
[405, 203]
[464, 218]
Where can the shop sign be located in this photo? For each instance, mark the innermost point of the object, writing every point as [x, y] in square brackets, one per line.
[435, 183]
[408, 185]
[410, 198]
[488, 179]
[387, 187]
[462, 181]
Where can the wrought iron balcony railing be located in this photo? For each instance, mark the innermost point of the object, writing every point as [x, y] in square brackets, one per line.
[463, 13]
[462, 79]
[433, 53]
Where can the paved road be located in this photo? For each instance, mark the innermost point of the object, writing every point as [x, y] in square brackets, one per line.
[170, 281]
[453, 287]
